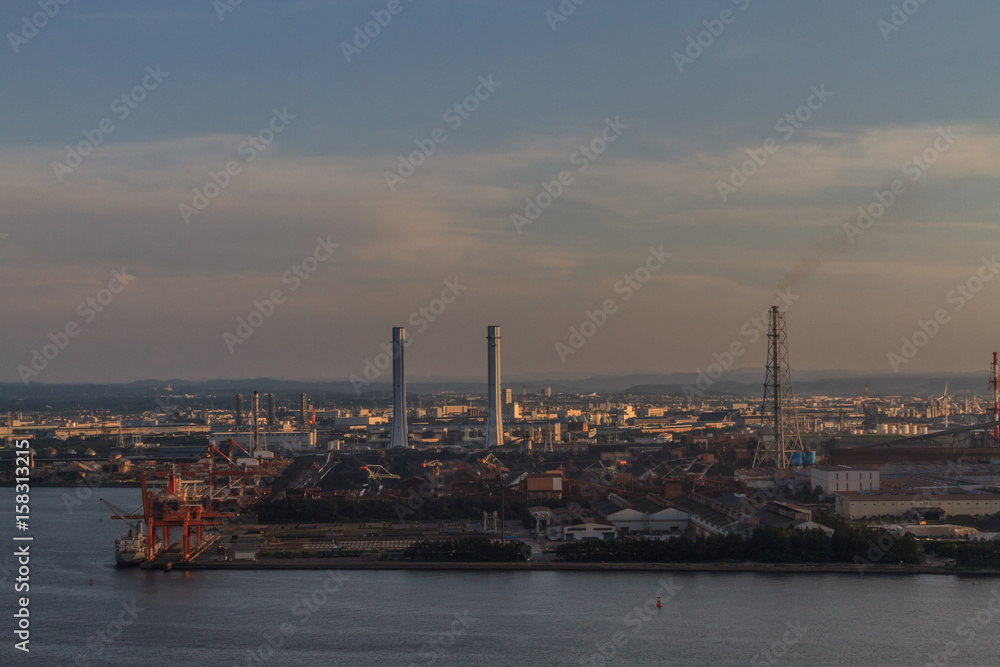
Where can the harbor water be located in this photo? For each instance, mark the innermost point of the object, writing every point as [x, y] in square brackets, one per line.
[84, 611]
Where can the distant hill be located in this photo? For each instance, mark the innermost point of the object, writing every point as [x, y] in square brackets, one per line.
[144, 394]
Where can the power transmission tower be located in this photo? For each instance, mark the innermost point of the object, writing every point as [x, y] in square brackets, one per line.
[779, 433]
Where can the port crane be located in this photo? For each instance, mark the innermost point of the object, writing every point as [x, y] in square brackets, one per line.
[127, 517]
[377, 473]
[495, 464]
[435, 468]
[608, 470]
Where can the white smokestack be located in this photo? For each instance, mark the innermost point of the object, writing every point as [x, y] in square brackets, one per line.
[494, 425]
[398, 389]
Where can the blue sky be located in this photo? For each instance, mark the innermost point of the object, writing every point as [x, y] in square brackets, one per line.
[858, 296]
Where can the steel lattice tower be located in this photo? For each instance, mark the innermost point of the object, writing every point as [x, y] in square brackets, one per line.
[779, 432]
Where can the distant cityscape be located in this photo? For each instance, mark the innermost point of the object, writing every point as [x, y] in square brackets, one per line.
[571, 467]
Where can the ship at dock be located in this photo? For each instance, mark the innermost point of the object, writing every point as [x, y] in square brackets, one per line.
[130, 548]
[196, 499]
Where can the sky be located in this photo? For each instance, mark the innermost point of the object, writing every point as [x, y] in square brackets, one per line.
[201, 189]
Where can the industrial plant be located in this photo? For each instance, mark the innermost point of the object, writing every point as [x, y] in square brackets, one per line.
[543, 467]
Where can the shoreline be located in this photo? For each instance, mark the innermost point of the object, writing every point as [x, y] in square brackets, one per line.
[781, 568]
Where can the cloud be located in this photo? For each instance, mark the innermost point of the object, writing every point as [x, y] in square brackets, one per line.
[452, 218]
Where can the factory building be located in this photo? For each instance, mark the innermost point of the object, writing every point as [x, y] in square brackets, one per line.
[835, 479]
[589, 528]
[541, 486]
[293, 440]
[854, 505]
[648, 515]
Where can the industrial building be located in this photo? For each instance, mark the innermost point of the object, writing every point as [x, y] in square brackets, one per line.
[647, 515]
[834, 479]
[589, 528]
[296, 441]
[855, 505]
[542, 486]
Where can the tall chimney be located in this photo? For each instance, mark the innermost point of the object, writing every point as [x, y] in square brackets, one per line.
[239, 412]
[399, 430]
[271, 420]
[302, 411]
[254, 412]
[494, 424]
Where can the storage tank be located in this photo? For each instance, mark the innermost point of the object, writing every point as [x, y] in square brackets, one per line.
[810, 458]
[796, 458]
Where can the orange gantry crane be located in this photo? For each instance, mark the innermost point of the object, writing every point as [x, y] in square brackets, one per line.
[172, 507]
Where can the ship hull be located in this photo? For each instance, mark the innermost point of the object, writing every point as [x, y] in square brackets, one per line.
[129, 559]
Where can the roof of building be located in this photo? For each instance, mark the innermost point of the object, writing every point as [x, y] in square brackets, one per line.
[875, 496]
[591, 520]
[647, 506]
[775, 520]
[604, 508]
[719, 520]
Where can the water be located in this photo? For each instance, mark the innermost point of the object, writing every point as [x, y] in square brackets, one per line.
[466, 618]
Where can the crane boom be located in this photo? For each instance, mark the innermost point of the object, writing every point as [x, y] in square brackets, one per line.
[127, 517]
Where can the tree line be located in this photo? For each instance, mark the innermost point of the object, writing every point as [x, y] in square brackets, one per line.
[467, 550]
[766, 544]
